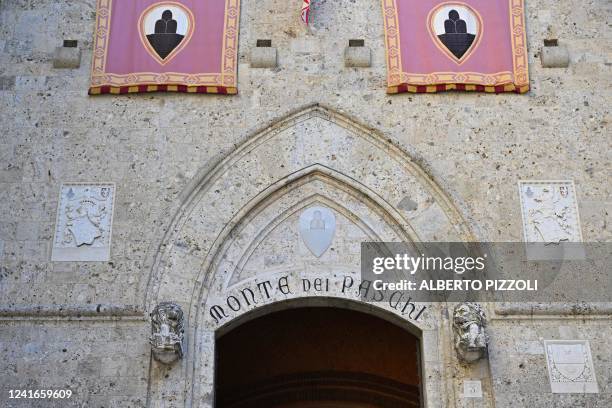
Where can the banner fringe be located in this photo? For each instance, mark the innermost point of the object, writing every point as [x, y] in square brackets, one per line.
[508, 88]
[119, 90]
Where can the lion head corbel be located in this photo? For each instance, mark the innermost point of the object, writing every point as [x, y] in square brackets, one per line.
[167, 332]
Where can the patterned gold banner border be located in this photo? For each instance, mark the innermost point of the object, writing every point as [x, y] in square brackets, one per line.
[399, 81]
[224, 82]
[519, 42]
[154, 78]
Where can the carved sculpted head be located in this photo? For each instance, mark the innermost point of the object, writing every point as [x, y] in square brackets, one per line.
[469, 323]
[167, 332]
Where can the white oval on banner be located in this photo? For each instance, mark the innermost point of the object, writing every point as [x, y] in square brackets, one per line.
[317, 227]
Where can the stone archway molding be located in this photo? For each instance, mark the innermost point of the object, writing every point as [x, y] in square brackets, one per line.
[314, 148]
[178, 214]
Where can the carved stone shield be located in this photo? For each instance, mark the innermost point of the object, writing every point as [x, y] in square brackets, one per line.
[317, 227]
[569, 360]
[570, 367]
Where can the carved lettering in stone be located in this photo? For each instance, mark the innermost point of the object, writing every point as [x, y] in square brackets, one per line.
[260, 293]
[550, 212]
[84, 221]
[317, 227]
[570, 367]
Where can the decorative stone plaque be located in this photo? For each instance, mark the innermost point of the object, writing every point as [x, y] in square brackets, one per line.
[472, 389]
[550, 211]
[317, 227]
[84, 221]
[570, 367]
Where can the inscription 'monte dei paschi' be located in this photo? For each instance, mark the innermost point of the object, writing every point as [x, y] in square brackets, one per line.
[265, 292]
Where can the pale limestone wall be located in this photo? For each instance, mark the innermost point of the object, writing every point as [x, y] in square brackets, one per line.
[105, 363]
[157, 147]
[518, 362]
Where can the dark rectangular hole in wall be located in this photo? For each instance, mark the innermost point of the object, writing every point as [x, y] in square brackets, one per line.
[551, 43]
[70, 43]
[356, 43]
[264, 43]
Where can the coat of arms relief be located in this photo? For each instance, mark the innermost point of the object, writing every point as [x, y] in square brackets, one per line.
[84, 220]
[570, 366]
[550, 211]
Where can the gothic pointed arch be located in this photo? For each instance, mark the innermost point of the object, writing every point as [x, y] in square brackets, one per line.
[281, 152]
[237, 227]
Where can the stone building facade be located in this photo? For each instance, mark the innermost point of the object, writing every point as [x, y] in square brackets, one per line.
[207, 192]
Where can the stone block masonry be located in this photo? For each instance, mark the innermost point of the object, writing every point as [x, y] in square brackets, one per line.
[470, 149]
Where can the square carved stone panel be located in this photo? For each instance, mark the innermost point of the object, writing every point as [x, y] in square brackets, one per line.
[550, 211]
[83, 226]
[472, 389]
[570, 367]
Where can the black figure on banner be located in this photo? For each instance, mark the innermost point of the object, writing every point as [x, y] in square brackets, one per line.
[165, 39]
[456, 37]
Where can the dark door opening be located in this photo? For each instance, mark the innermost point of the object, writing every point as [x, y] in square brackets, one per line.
[317, 357]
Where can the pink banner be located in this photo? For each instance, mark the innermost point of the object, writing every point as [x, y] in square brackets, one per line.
[168, 46]
[472, 45]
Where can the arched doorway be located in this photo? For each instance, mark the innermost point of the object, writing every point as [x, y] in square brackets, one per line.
[236, 236]
[319, 357]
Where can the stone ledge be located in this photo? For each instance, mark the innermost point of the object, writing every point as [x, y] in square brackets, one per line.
[72, 312]
[555, 57]
[357, 57]
[263, 57]
[552, 309]
[67, 57]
